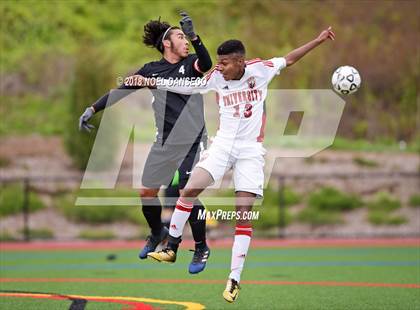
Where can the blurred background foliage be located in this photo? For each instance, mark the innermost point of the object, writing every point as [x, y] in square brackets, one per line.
[41, 43]
[58, 57]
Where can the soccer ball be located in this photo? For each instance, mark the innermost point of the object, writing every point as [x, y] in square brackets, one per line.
[346, 80]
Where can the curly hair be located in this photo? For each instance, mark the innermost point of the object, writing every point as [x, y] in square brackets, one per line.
[153, 33]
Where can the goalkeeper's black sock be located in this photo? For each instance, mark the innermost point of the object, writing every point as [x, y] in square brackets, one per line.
[152, 210]
[173, 243]
[198, 226]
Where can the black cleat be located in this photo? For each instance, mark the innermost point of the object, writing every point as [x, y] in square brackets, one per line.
[153, 242]
[199, 260]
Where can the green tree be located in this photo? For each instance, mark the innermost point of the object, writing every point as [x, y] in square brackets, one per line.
[92, 78]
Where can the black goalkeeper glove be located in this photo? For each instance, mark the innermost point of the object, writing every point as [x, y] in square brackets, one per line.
[187, 26]
[83, 120]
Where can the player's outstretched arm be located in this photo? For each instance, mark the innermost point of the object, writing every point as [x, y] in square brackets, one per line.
[298, 53]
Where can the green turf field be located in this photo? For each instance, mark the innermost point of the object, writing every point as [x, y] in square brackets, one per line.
[274, 278]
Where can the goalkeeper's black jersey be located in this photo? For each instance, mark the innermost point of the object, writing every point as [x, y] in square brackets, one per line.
[168, 106]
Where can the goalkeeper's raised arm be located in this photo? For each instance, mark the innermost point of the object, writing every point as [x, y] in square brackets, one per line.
[203, 62]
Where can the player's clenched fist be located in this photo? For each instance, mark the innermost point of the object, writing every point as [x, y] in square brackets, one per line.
[326, 34]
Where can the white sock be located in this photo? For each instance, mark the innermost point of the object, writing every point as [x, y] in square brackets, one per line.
[179, 217]
[239, 250]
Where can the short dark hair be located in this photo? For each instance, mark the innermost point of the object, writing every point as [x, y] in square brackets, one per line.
[231, 47]
[153, 33]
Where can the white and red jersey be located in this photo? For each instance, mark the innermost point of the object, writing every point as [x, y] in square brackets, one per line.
[241, 102]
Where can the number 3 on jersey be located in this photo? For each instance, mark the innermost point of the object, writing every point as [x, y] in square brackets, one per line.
[247, 111]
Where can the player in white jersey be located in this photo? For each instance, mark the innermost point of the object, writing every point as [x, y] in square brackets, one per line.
[241, 88]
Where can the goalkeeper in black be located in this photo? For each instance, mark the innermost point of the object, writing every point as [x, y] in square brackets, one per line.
[174, 152]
